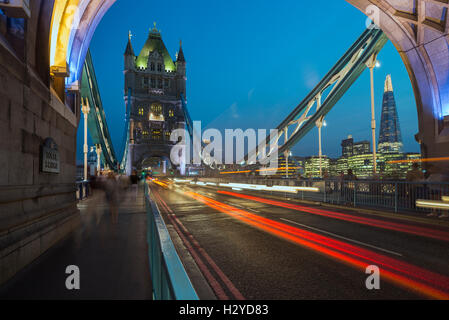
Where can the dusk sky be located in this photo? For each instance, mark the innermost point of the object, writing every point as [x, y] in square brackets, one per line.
[249, 63]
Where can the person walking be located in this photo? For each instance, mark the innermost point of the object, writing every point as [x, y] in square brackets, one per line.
[415, 190]
[349, 187]
[434, 183]
[111, 191]
[134, 180]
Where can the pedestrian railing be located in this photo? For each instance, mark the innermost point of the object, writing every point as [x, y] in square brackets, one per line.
[397, 196]
[83, 190]
[169, 278]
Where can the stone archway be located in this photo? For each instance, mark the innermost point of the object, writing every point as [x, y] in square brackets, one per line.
[419, 29]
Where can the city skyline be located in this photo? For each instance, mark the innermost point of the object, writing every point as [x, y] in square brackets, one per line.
[260, 79]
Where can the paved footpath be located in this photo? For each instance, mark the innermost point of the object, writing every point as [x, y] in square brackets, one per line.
[112, 259]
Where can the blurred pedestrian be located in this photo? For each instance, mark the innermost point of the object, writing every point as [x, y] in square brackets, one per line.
[134, 180]
[112, 193]
[415, 174]
[415, 190]
[350, 186]
[434, 183]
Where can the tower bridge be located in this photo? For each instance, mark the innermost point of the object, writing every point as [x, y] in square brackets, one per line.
[47, 79]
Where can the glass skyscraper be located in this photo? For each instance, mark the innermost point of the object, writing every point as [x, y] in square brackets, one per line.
[390, 139]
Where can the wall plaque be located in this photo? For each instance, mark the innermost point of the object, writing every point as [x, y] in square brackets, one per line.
[50, 157]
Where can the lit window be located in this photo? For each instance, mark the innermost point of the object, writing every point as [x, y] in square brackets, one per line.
[156, 112]
[156, 135]
[141, 111]
[171, 113]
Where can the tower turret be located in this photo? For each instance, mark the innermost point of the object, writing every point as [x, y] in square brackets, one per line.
[130, 58]
[181, 70]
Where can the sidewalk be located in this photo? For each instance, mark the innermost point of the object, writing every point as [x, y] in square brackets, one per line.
[113, 259]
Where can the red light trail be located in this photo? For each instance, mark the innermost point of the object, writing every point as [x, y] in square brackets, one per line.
[412, 277]
[420, 231]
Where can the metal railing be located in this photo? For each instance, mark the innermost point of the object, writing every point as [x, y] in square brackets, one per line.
[396, 196]
[169, 278]
[83, 190]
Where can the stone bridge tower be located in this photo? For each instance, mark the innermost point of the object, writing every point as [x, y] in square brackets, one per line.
[155, 84]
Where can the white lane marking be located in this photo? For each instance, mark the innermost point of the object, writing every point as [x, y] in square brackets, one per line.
[242, 207]
[341, 237]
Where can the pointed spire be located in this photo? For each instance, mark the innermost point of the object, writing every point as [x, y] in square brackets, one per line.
[388, 84]
[129, 48]
[180, 57]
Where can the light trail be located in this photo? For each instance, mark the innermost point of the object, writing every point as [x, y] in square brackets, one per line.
[234, 172]
[419, 231]
[420, 160]
[162, 184]
[199, 254]
[409, 276]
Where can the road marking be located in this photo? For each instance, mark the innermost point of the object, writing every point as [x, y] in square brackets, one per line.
[341, 237]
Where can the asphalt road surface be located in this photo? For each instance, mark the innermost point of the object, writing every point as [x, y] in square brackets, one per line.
[256, 247]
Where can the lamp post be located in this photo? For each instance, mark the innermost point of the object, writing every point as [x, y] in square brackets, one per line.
[319, 125]
[371, 64]
[98, 150]
[85, 110]
[286, 153]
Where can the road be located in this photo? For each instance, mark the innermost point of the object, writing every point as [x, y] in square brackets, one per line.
[254, 247]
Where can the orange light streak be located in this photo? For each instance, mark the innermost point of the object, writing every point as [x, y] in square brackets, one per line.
[420, 160]
[420, 231]
[230, 172]
[407, 275]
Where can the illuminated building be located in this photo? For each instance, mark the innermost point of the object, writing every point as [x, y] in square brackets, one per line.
[362, 147]
[155, 84]
[346, 147]
[361, 165]
[293, 168]
[390, 139]
[312, 166]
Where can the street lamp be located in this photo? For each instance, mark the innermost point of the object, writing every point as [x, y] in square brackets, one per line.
[85, 109]
[320, 123]
[98, 150]
[371, 64]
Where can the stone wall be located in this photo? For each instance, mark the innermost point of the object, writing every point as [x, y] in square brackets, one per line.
[36, 209]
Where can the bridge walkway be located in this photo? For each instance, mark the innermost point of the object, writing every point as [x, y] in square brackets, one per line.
[113, 259]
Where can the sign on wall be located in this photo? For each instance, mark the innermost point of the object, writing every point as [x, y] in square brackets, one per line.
[50, 157]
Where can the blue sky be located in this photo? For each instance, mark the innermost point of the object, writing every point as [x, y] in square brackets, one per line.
[251, 62]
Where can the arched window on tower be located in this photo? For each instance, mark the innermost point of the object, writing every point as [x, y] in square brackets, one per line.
[152, 66]
[156, 112]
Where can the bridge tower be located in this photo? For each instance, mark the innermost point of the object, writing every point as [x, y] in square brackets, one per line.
[154, 83]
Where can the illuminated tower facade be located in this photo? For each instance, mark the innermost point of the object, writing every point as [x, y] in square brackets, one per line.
[390, 138]
[155, 83]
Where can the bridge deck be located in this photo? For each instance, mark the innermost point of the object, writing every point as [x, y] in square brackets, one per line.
[113, 259]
